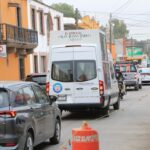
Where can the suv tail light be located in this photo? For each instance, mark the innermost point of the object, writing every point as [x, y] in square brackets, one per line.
[8, 144]
[8, 114]
[101, 87]
[47, 87]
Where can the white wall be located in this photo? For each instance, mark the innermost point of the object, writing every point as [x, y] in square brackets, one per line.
[43, 47]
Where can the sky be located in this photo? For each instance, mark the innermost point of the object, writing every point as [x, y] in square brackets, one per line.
[135, 13]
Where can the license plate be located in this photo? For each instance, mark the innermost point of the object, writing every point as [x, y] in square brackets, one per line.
[62, 98]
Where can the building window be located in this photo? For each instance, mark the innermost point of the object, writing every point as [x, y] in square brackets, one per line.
[35, 64]
[18, 11]
[43, 63]
[49, 27]
[41, 22]
[22, 67]
[33, 19]
[57, 20]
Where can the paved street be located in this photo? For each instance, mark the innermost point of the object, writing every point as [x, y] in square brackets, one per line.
[126, 129]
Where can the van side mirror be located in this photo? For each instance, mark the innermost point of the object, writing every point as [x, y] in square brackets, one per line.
[53, 98]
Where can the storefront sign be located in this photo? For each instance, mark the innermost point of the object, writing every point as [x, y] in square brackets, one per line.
[3, 52]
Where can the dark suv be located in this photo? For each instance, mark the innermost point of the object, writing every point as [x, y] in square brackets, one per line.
[39, 78]
[27, 116]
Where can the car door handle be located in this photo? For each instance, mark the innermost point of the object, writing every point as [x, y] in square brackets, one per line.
[79, 88]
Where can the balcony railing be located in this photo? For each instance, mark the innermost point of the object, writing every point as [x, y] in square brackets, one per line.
[14, 36]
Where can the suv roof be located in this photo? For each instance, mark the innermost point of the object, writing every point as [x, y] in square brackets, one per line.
[14, 85]
[127, 62]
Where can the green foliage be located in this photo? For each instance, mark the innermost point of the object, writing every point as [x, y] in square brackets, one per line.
[67, 10]
[119, 29]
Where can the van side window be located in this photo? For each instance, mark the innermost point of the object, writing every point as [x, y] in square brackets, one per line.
[106, 75]
[112, 71]
[103, 47]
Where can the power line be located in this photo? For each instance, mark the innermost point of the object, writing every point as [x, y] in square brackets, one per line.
[123, 6]
[142, 21]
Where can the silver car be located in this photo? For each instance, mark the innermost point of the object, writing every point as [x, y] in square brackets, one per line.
[145, 73]
[28, 116]
[132, 77]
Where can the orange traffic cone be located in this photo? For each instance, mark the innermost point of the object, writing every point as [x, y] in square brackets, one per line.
[85, 138]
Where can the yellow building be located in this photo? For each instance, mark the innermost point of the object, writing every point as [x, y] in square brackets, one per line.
[88, 23]
[17, 38]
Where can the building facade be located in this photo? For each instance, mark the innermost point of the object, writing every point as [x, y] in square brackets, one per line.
[44, 19]
[16, 40]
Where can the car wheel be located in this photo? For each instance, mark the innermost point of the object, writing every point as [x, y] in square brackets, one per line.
[117, 104]
[29, 142]
[56, 138]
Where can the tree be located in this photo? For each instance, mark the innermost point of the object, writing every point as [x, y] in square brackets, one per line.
[67, 10]
[119, 29]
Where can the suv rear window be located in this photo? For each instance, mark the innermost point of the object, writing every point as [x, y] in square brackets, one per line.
[38, 79]
[4, 98]
[77, 71]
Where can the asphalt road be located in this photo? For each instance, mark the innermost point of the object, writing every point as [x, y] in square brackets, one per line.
[125, 129]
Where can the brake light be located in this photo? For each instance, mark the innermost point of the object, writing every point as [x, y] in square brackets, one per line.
[10, 144]
[9, 114]
[47, 87]
[101, 87]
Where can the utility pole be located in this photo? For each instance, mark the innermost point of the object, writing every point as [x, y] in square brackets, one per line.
[76, 18]
[110, 34]
[132, 48]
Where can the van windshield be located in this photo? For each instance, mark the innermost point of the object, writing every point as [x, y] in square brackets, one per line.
[77, 71]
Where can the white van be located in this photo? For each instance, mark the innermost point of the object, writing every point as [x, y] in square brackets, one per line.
[79, 72]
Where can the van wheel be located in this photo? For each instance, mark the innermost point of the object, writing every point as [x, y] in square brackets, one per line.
[137, 87]
[117, 104]
[29, 142]
[56, 138]
[106, 111]
[140, 86]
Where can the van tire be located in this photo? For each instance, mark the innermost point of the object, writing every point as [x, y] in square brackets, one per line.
[117, 104]
[137, 87]
[106, 111]
[140, 86]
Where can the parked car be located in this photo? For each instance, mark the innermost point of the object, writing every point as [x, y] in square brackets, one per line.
[27, 116]
[132, 77]
[145, 73]
[39, 78]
